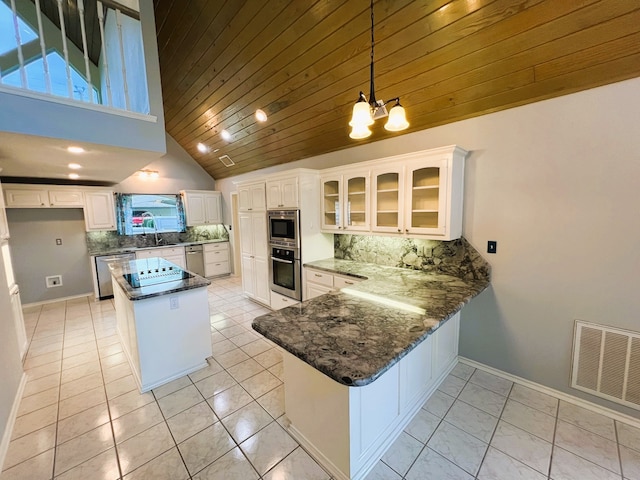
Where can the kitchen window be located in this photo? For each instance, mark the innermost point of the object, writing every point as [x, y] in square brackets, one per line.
[149, 213]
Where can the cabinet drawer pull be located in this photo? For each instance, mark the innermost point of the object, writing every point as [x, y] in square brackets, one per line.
[317, 274]
[347, 282]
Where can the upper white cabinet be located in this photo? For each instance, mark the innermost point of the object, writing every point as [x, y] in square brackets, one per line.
[39, 196]
[282, 193]
[418, 194]
[66, 198]
[99, 210]
[251, 197]
[202, 207]
[24, 197]
[345, 200]
[387, 199]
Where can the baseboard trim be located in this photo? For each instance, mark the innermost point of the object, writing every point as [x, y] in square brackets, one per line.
[6, 435]
[56, 300]
[554, 393]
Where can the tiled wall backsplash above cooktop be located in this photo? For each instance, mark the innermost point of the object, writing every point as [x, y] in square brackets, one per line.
[455, 257]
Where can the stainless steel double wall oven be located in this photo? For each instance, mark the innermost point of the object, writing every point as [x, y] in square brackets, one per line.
[285, 269]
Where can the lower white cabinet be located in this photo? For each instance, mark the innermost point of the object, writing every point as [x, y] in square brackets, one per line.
[280, 301]
[216, 259]
[317, 282]
[171, 254]
[347, 429]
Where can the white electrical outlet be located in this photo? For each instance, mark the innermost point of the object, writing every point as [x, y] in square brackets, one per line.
[53, 281]
[174, 303]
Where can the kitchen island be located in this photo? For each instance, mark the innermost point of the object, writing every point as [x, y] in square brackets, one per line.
[359, 363]
[162, 314]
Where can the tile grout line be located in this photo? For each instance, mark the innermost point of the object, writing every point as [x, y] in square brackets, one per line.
[104, 386]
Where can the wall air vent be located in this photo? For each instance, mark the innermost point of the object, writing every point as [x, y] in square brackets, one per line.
[226, 160]
[606, 363]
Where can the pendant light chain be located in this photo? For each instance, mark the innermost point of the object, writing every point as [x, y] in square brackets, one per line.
[365, 113]
[372, 95]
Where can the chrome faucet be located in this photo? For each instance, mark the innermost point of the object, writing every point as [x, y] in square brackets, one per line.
[155, 226]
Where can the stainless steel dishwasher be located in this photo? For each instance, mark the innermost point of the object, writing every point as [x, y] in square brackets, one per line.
[195, 259]
[105, 286]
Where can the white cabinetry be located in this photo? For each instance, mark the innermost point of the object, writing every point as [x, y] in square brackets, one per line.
[202, 207]
[282, 193]
[317, 282]
[346, 201]
[66, 198]
[171, 254]
[25, 197]
[254, 251]
[99, 210]
[348, 429]
[251, 197]
[216, 259]
[279, 302]
[416, 195]
[43, 196]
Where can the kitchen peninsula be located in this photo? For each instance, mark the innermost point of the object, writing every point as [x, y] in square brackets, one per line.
[360, 362]
[162, 314]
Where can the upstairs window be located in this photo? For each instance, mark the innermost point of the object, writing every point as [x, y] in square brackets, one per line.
[8, 33]
[58, 75]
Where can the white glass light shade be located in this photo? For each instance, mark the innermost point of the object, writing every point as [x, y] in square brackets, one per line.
[397, 120]
[359, 131]
[361, 116]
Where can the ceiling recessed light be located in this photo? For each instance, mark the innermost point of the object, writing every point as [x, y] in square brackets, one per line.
[74, 166]
[261, 116]
[225, 135]
[202, 148]
[74, 176]
[74, 149]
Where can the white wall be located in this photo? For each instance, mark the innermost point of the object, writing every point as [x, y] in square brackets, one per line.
[557, 185]
[177, 170]
[11, 371]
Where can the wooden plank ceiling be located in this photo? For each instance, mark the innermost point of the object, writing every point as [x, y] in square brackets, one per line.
[304, 62]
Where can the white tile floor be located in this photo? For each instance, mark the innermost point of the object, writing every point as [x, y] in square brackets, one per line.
[82, 416]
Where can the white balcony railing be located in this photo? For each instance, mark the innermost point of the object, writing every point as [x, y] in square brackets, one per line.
[86, 51]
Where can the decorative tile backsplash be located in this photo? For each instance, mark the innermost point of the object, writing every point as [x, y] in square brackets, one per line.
[103, 241]
[455, 257]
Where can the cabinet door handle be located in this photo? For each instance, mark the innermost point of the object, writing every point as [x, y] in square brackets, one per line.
[399, 230]
[407, 230]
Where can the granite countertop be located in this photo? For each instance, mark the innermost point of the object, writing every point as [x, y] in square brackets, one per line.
[355, 335]
[121, 269]
[115, 250]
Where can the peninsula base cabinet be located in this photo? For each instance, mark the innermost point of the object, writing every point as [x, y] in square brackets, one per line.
[348, 429]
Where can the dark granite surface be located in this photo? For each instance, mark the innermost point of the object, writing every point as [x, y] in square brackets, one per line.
[160, 268]
[355, 335]
[114, 250]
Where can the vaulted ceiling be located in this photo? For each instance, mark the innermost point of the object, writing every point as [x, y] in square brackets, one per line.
[303, 62]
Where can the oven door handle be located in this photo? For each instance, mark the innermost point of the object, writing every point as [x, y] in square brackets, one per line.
[281, 261]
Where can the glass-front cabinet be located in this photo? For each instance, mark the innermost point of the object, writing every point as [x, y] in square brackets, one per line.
[426, 198]
[416, 195]
[345, 202]
[387, 200]
[331, 203]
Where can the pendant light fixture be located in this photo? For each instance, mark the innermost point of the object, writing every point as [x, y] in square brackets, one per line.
[364, 113]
